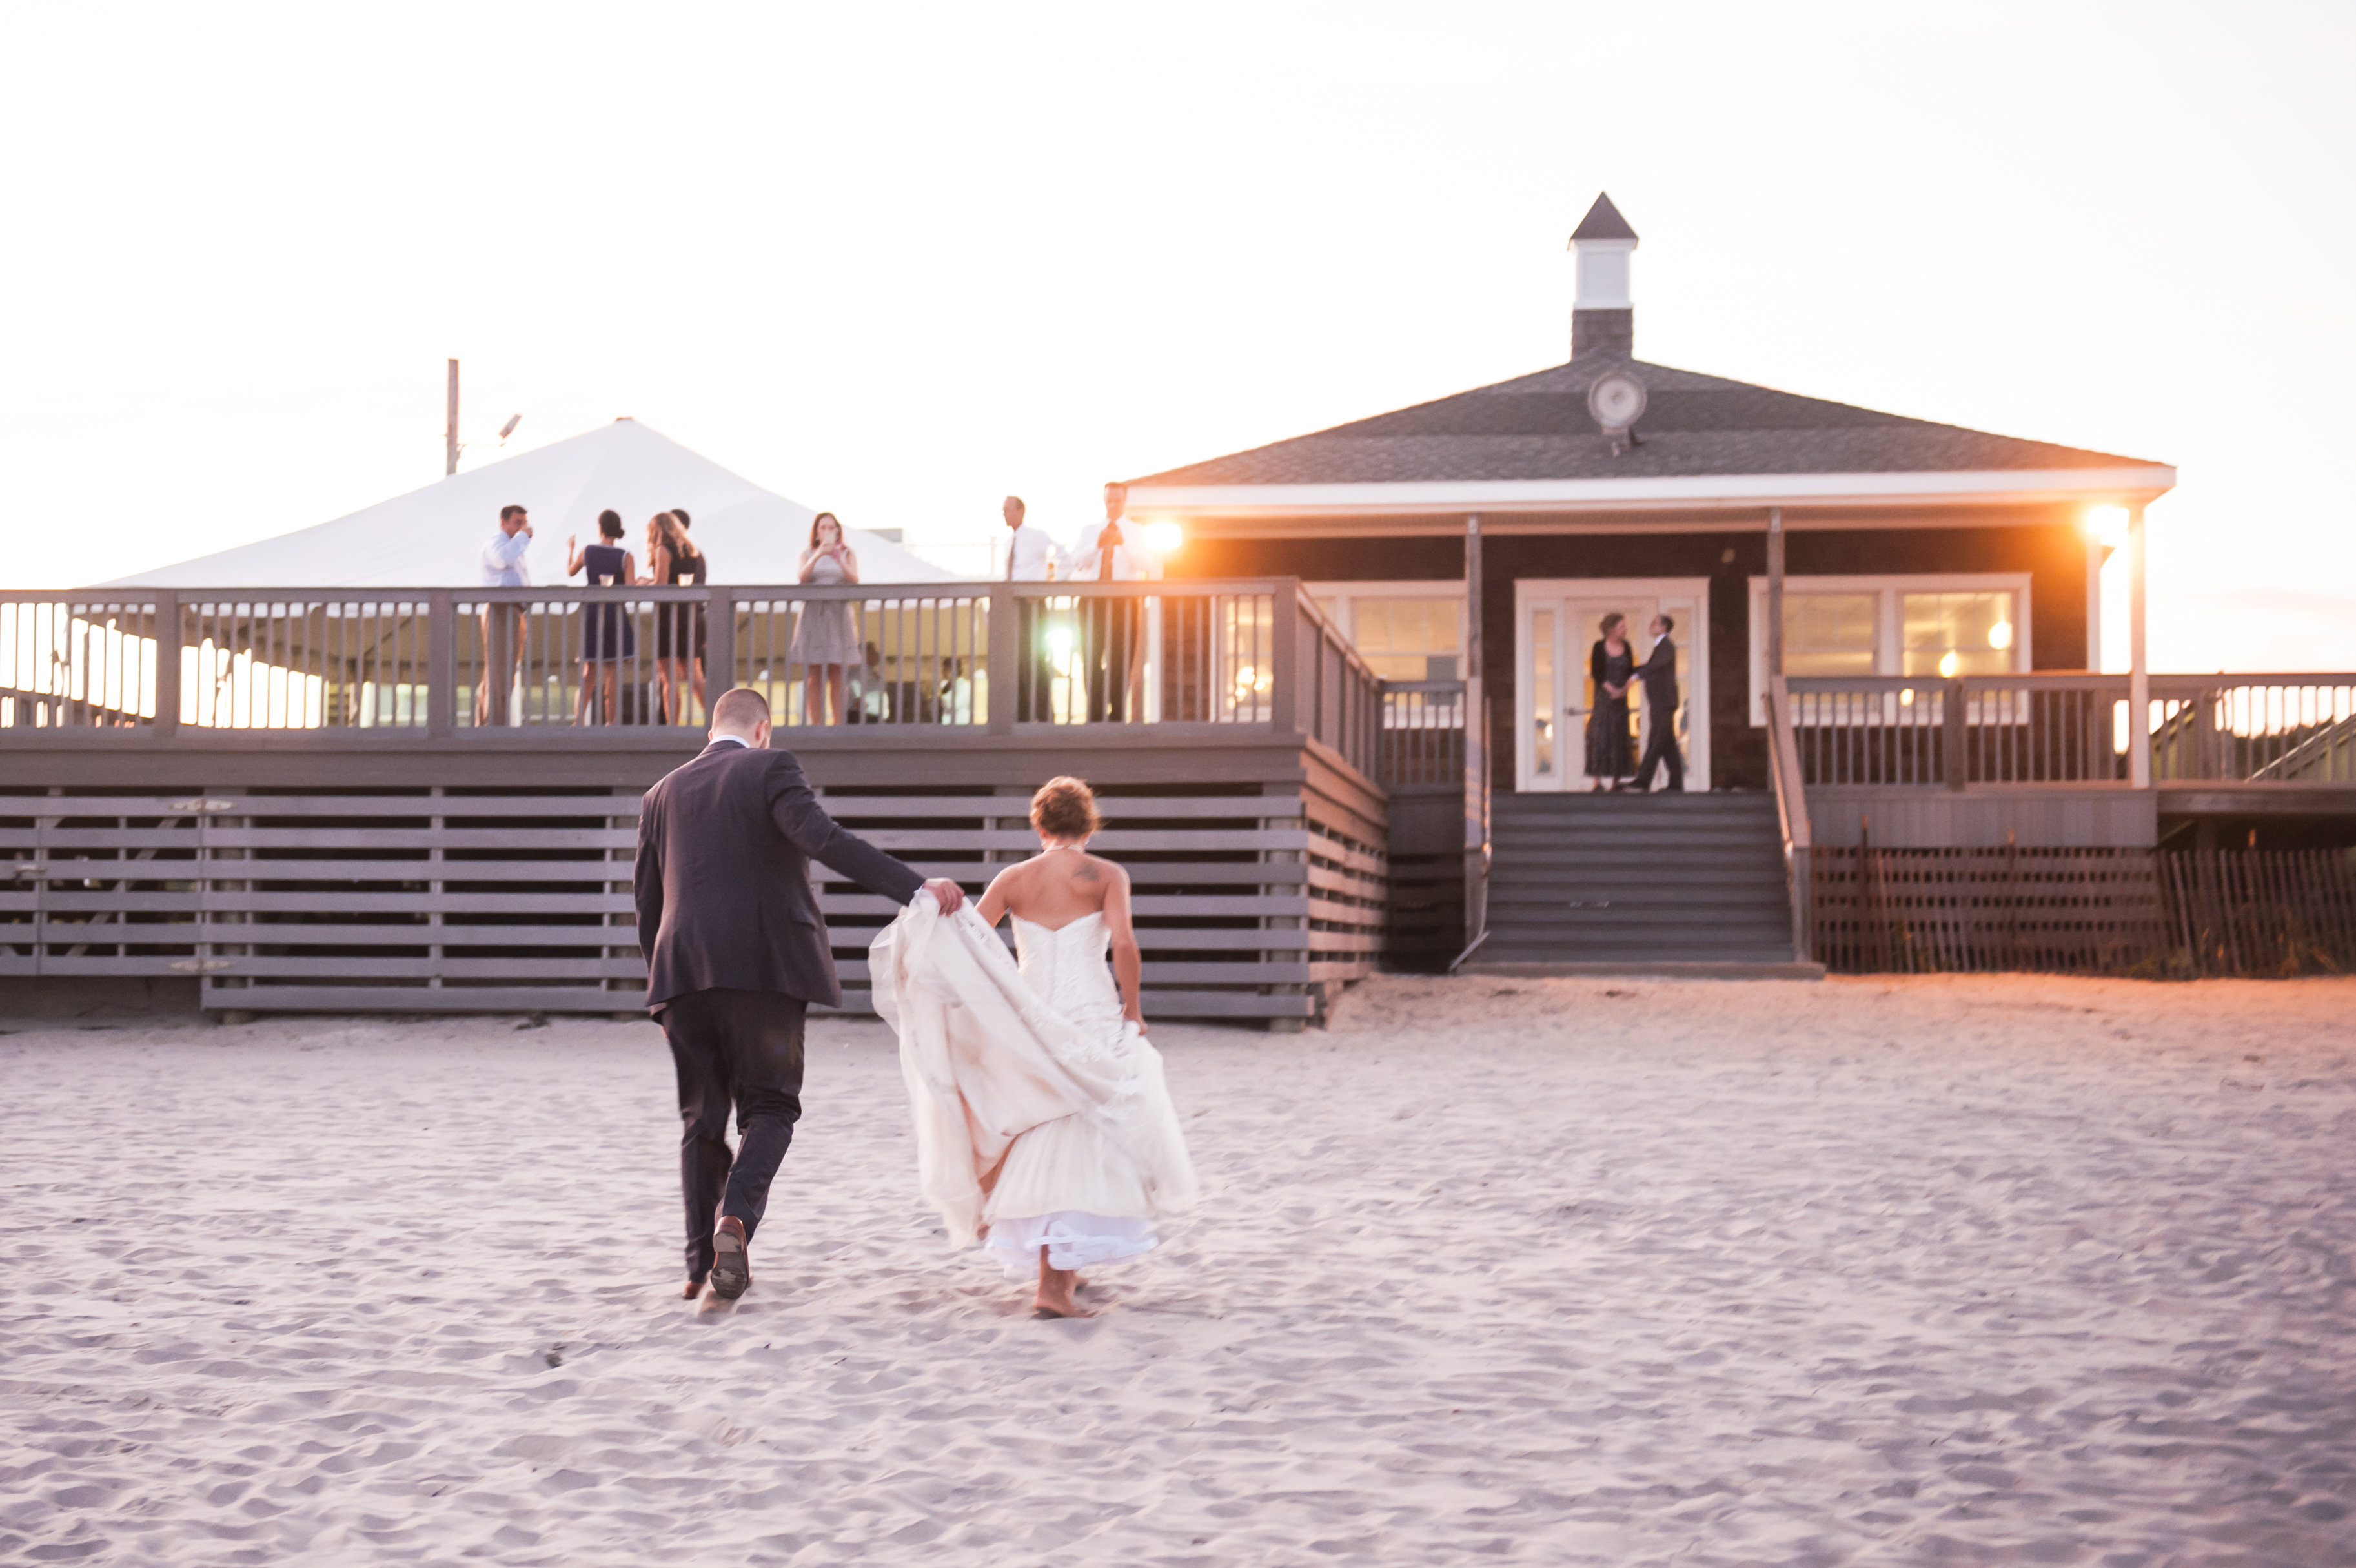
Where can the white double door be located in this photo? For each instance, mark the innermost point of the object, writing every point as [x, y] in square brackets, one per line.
[1558, 621]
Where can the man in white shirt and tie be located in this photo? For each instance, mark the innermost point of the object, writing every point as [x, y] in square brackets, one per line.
[503, 567]
[1030, 558]
[1108, 626]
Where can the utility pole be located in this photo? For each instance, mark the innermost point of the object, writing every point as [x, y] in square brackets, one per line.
[450, 434]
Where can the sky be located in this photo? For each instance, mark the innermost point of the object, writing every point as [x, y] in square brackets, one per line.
[899, 262]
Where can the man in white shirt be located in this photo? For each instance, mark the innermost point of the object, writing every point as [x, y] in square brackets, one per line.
[1108, 626]
[503, 567]
[1030, 558]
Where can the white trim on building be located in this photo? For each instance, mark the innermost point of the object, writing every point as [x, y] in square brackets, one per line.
[2010, 487]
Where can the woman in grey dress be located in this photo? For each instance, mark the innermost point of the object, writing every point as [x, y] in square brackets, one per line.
[828, 640]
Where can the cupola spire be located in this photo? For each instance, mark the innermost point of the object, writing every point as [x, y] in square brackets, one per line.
[1602, 317]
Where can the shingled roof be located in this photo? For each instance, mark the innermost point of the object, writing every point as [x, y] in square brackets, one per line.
[1537, 428]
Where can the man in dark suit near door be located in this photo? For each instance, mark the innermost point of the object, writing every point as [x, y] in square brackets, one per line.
[736, 950]
[1659, 673]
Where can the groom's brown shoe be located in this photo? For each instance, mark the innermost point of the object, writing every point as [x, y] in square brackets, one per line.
[731, 1267]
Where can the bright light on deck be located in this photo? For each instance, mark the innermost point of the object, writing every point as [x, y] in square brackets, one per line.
[1949, 663]
[1164, 538]
[2108, 523]
[1999, 636]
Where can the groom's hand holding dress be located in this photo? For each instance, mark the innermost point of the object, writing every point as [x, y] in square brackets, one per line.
[736, 950]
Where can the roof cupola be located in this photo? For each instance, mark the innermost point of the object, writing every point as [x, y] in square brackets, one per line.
[1602, 317]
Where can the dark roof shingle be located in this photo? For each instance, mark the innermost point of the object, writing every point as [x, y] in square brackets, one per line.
[1602, 222]
[1537, 428]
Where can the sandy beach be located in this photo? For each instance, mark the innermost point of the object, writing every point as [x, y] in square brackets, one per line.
[1975, 1270]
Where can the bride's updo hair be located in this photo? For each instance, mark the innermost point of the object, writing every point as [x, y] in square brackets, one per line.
[1066, 808]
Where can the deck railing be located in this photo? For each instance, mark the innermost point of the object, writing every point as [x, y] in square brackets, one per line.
[521, 662]
[2071, 728]
[2289, 729]
[1422, 738]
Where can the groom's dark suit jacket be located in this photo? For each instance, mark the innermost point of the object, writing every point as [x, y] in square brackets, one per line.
[1659, 673]
[723, 879]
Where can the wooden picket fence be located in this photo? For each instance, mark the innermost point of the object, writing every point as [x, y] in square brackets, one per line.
[2138, 912]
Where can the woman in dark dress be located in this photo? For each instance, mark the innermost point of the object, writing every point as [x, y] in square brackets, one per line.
[1611, 757]
[672, 560]
[607, 635]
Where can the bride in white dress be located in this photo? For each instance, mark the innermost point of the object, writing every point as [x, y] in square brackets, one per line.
[1042, 1123]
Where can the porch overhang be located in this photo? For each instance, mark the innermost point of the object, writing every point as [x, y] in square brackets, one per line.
[1217, 510]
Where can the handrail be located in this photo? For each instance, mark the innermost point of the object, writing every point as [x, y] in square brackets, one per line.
[1476, 859]
[1791, 812]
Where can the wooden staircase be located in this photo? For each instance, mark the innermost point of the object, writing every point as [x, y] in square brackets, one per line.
[1628, 884]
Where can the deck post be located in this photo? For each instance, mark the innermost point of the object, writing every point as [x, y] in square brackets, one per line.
[441, 664]
[1006, 661]
[168, 664]
[2139, 672]
[2095, 601]
[1951, 735]
[1285, 656]
[1774, 592]
[719, 645]
[1473, 598]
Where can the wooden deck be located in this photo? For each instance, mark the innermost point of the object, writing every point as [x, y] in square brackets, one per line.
[313, 836]
[1991, 822]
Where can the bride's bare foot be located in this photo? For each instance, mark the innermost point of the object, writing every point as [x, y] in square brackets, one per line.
[1057, 1288]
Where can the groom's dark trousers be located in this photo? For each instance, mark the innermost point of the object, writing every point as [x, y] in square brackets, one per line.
[736, 950]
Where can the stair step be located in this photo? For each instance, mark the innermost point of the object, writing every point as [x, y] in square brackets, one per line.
[1666, 889]
[1614, 912]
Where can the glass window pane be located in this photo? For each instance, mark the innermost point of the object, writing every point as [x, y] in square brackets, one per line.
[1957, 634]
[1541, 697]
[1829, 634]
[1419, 628]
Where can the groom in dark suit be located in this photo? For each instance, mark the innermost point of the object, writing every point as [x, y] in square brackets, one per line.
[1659, 673]
[736, 950]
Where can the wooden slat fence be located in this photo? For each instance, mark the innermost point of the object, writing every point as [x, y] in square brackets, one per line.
[2139, 912]
[2261, 912]
[1249, 905]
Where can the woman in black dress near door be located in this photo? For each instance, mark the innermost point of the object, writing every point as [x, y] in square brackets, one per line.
[673, 561]
[1612, 665]
[607, 638]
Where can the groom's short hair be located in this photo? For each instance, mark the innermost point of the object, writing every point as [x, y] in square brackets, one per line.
[740, 709]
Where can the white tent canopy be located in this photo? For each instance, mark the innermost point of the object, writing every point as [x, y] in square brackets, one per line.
[432, 538]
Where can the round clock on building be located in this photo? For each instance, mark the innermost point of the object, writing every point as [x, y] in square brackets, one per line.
[1616, 400]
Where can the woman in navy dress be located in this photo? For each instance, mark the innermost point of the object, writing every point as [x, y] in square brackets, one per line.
[607, 636]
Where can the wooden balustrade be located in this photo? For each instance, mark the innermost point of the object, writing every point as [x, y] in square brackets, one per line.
[2070, 728]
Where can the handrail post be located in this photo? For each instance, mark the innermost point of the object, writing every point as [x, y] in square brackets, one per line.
[1284, 653]
[2138, 672]
[719, 645]
[168, 664]
[1792, 816]
[441, 664]
[1006, 670]
[1951, 724]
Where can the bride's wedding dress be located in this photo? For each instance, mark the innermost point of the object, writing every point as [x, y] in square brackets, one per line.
[1041, 1112]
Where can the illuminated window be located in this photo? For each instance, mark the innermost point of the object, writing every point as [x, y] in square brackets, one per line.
[1929, 626]
[1405, 632]
[1830, 634]
[1957, 634]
